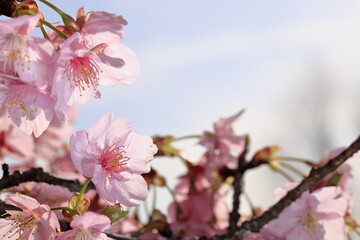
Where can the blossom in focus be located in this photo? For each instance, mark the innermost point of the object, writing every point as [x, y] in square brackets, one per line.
[79, 71]
[30, 108]
[35, 221]
[100, 27]
[222, 143]
[88, 226]
[96, 28]
[26, 70]
[28, 57]
[114, 157]
[313, 216]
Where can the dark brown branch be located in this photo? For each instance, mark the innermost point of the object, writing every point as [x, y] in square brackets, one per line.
[237, 185]
[7, 7]
[254, 225]
[316, 174]
[4, 206]
[5, 169]
[38, 175]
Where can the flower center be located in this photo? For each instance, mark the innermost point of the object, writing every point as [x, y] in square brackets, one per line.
[113, 158]
[14, 50]
[308, 220]
[21, 223]
[17, 107]
[82, 73]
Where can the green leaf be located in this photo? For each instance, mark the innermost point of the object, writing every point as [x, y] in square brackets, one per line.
[334, 180]
[115, 212]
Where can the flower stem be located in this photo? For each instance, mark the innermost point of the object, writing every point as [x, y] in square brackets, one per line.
[81, 194]
[46, 36]
[185, 137]
[293, 169]
[357, 231]
[184, 158]
[177, 205]
[146, 209]
[285, 175]
[292, 159]
[249, 202]
[154, 198]
[53, 28]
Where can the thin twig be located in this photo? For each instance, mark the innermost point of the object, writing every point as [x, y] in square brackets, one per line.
[237, 185]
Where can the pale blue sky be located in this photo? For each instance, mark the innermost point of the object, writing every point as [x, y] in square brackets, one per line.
[205, 59]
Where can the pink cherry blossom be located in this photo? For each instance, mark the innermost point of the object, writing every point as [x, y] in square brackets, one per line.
[100, 27]
[51, 195]
[114, 157]
[96, 28]
[14, 143]
[341, 177]
[80, 71]
[29, 57]
[222, 143]
[63, 167]
[194, 180]
[30, 108]
[189, 223]
[88, 226]
[313, 216]
[59, 195]
[35, 221]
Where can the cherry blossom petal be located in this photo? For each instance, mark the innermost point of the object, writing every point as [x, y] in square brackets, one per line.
[94, 222]
[139, 148]
[22, 201]
[103, 27]
[81, 154]
[21, 25]
[120, 65]
[131, 190]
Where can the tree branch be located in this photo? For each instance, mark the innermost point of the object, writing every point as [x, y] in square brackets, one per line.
[37, 175]
[254, 225]
[237, 185]
[316, 174]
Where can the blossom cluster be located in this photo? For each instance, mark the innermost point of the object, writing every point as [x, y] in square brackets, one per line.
[42, 79]
[41, 82]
